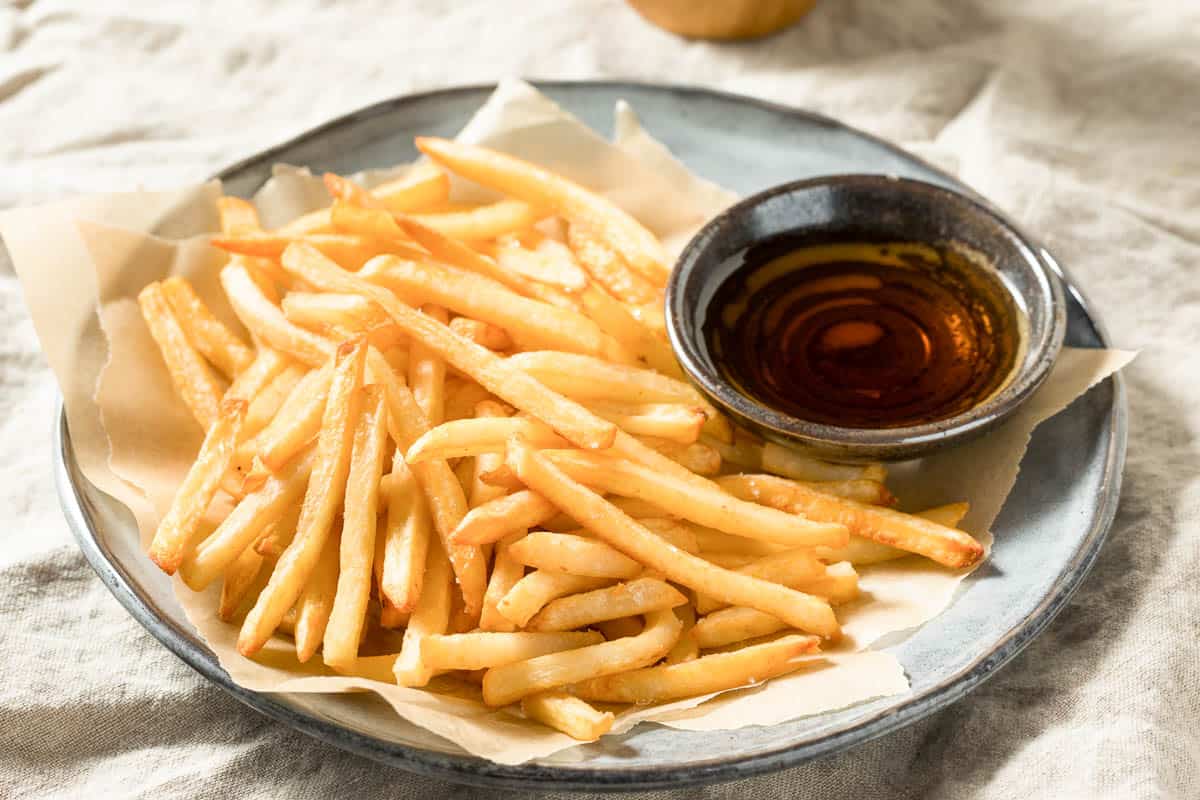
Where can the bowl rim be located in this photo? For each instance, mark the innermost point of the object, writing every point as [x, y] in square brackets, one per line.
[907, 441]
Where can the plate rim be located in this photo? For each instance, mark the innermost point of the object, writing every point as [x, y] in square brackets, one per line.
[465, 768]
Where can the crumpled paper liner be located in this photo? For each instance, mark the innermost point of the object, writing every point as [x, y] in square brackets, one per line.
[81, 263]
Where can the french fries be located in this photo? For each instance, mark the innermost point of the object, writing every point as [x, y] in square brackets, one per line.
[563, 518]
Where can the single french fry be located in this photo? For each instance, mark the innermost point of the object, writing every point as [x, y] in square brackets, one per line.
[710, 506]
[259, 509]
[947, 546]
[949, 515]
[775, 491]
[530, 323]
[568, 714]
[586, 378]
[267, 403]
[493, 521]
[325, 492]
[427, 373]
[406, 538]
[803, 611]
[576, 555]
[197, 386]
[697, 457]
[264, 319]
[472, 651]
[535, 590]
[429, 618]
[610, 271]
[509, 683]
[320, 312]
[712, 542]
[298, 420]
[278, 535]
[677, 422]
[239, 579]
[780, 460]
[266, 365]
[544, 189]
[510, 384]
[481, 222]
[485, 464]
[860, 551]
[424, 186]
[237, 216]
[344, 632]
[506, 571]
[716, 672]
[179, 526]
[795, 569]
[640, 596]
[346, 190]
[686, 648]
[482, 333]
[211, 337]
[734, 624]
[670, 530]
[473, 437]
[315, 602]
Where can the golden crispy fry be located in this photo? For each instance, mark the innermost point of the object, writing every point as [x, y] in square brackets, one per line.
[179, 526]
[481, 222]
[444, 494]
[322, 312]
[427, 373]
[947, 546]
[267, 403]
[430, 617]
[484, 650]
[346, 190]
[509, 683]
[326, 488]
[357, 551]
[949, 515]
[542, 188]
[697, 457]
[472, 437]
[712, 542]
[297, 422]
[676, 422]
[712, 673]
[316, 600]
[406, 538]
[568, 714]
[238, 583]
[197, 386]
[670, 530]
[258, 510]
[709, 506]
[506, 571]
[205, 332]
[238, 216]
[795, 569]
[583, 377]
[372, 223]
[486, 464]
[421, 188]
[803, 611]
[792, 464]
[495, 374]
[573, 554]
[535, 590]
[641, 596]
[493, 521]
[728, 626]
[264, 319]
[530, 323]
[482, 333]
[266, 365]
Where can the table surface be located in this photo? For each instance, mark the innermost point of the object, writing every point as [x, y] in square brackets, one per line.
[1079, 121]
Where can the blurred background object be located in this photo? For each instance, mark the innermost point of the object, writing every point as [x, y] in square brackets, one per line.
[722, 19]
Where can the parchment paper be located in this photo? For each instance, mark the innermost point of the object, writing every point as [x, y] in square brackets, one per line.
[82, 262]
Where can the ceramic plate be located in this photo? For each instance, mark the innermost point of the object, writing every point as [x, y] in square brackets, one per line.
[1046, 537]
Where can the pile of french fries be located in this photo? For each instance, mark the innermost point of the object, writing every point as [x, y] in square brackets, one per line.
[460, 431]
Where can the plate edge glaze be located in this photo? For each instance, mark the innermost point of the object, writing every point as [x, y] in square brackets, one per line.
[472, 770]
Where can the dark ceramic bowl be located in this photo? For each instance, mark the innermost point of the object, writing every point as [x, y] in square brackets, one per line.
[855, 209]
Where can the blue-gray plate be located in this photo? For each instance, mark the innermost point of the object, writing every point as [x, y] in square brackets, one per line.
[1047, 536]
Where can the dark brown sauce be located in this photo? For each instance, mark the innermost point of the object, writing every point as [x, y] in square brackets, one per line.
[864, 336]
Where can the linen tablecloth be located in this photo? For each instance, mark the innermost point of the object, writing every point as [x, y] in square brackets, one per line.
[1079, 118]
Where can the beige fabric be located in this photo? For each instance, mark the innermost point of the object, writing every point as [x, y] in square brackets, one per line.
[1080, 121]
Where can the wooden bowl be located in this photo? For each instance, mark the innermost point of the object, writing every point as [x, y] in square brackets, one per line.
[722, 19]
